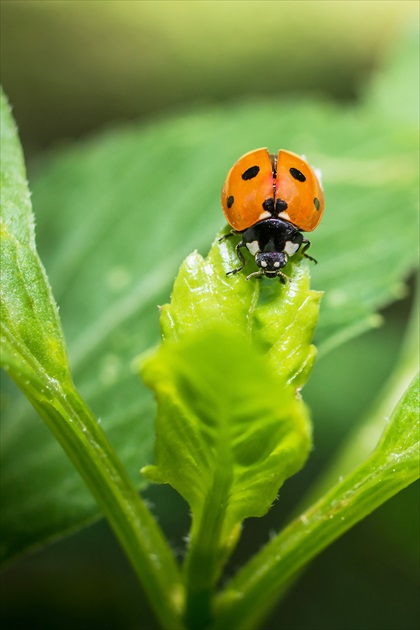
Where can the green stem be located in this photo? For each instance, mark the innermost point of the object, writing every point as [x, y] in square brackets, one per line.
[367, 434]
[86, 445]
[206, 555]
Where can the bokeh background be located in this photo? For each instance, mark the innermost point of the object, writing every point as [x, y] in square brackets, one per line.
[74, 68]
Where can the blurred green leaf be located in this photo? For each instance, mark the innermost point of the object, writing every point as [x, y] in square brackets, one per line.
[394, 92]
[223, 445]
[33, 352]
[363, 438]
[117, 215]
[392, 466]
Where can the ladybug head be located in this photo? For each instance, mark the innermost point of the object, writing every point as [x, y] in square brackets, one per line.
[271, 262]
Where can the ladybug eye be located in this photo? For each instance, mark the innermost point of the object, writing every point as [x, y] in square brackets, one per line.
[251, 172]
[296, 174]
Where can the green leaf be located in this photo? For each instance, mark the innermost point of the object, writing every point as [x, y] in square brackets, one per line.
[33, 352]
[212, 418]
[392, 466]
[230, 427]
[394, 92]
[112, 235]
[32, 341]
[281, 319]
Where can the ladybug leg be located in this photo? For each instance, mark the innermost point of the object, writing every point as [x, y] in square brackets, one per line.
[240, 256]
[306, 245]
[283, 278]
[228, 235]
[255, 274]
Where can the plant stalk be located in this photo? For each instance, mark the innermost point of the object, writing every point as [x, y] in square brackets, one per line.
[88, 448]
[207, 553]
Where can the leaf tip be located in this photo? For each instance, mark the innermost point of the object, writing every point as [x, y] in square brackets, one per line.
[151, 472]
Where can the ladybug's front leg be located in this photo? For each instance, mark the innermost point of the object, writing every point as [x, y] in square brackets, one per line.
[241, 258]
[306, 245]
[228, 235]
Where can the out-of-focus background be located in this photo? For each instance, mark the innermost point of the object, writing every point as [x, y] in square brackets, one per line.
[73, 68]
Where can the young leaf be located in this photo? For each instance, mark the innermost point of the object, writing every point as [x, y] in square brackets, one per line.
[281, 319]
[33, 352]
[214, 421]
[392, 466]
[230, 426]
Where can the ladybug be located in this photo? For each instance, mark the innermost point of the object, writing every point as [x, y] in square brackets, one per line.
[270, 199]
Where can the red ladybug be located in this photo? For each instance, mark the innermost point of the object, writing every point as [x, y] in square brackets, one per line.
[270, 199]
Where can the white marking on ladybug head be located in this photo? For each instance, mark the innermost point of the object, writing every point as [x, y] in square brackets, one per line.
[253, 247]
[263, 263]
[291, 248]
[284, 215]
[277, 264]
[265, 215]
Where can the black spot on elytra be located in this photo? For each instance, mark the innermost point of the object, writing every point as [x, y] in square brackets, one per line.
[251, 172]
[281, 205]
[296, 174]
[269, 205]
[230, 201]
[316, 203]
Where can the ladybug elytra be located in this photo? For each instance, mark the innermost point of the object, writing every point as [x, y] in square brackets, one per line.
[270, 199]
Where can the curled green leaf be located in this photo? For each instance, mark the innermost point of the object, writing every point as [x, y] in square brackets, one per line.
[224, 412]
[231, 425]
[279, 319]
